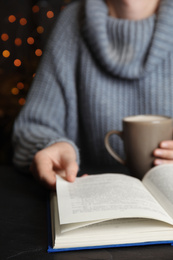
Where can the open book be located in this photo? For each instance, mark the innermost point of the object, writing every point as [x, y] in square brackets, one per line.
[108, 210]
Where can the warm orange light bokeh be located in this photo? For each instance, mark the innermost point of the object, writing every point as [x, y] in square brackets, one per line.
[11, 18]
[4, 37]
[30, 40]
[20, 85]
[38, 52]
[6, 53]
[35, 9]
[40, 29]
[50, 14]
[23, 21]
[17, 62]
[22, 101]
[15, 91]
[18, 42]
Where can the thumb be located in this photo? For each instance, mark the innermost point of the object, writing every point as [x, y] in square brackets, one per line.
[71, 171]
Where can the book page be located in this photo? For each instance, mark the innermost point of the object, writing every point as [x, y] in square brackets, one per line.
[159, 181]
[65, 227]
[106, 196]
[119, 231]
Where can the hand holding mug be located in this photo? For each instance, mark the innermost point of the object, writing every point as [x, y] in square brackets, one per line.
[164, 153]
[141, 135]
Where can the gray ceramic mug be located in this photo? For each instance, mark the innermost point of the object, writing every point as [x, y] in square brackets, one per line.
[141, 135]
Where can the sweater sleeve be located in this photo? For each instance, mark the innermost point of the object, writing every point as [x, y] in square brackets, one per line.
[50, 113]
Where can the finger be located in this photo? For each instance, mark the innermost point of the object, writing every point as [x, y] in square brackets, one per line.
[164, 154]
[160, 161]
[71, 171]
[167, 144]
[84, 175]
[44, 173]
[48, 179]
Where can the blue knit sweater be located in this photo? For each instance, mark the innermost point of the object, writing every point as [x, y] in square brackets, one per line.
[96, 70]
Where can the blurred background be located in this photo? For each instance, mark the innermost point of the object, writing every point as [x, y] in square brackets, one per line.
[24, 29]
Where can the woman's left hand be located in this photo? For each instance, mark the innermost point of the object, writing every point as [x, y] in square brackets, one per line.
[164, 154]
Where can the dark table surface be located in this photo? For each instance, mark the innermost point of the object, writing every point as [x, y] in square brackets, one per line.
[23, 226]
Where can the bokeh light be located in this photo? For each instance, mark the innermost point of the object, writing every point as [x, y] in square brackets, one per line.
[23, 21]
[15, 91]
[35, 9]
[22, 101]
[50, 14]
[18, 42]
[17, 62]
[40, 29]
[4, 37]
[11, 18]
[6, 53]
[38, 52]
[20, 85]
[30, 40]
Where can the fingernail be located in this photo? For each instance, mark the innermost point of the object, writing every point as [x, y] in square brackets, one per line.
[158, 152]
[164, 145]
[71, 177]
[158, 162]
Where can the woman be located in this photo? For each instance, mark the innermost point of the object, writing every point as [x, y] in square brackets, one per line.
[105, 60]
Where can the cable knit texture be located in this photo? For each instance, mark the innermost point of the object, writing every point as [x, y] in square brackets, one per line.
[96, 70]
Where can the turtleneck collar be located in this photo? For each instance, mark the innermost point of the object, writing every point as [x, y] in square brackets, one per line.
[127, 48]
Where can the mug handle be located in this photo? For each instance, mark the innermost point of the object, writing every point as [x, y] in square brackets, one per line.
[109, 148]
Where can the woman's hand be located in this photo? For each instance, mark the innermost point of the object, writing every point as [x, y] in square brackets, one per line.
[164, 154]
[58, 158]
